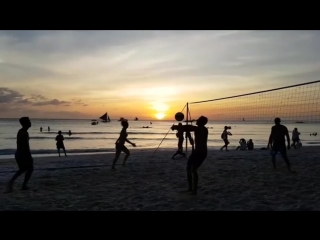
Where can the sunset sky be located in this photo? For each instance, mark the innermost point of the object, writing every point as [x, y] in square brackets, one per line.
[83, 74]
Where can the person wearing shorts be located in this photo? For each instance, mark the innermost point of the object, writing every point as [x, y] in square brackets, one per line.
[120, 147]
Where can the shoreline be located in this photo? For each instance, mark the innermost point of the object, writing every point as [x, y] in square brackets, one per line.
[77, 152]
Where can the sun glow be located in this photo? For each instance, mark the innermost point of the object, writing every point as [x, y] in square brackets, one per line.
[160, 116]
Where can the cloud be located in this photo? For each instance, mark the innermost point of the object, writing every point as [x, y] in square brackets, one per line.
[8, 96]
[54, 102]
[15, 101]
[102, 65]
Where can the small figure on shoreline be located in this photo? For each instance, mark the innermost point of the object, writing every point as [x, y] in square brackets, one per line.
[60, 144]
[224, 137]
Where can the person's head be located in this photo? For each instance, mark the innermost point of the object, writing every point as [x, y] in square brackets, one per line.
[250, 140]
[202, 121]
[59, 132]
[125, 123]
[25, 122]
[296, 129]
[225, 128]
[277, 121]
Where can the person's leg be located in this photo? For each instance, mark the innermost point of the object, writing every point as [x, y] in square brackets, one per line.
[127, 152]
[200, 157]
[284, 155]
[274, 152]
[227, 143]
[27, 177]
[118, 151]
[223, 146]
[189, 173]
[64, 149]
[59, 151]
[21, 170]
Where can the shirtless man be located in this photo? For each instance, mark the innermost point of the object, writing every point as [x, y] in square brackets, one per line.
[199, 153]
[278, 143]
[23, 155]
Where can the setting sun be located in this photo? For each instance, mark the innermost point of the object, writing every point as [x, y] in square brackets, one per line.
[160, 116]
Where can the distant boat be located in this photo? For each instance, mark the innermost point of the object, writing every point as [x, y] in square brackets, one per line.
[136, 119]
[105, 118]
[299, 122]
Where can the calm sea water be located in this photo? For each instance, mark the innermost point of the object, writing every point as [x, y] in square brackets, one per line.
[87, 138]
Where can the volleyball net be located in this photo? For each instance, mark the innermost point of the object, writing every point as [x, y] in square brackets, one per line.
[295, 103]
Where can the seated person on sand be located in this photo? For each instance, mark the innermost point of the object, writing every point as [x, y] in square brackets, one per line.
[243, 144]
[250, 144]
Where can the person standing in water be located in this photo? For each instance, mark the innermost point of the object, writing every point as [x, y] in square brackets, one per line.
[40, 129]
[23, 155]
[60, 144]
[120, 147]
[199, 153]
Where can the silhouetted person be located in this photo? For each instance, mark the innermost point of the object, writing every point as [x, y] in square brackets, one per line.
[120, 147]
[48, 129]
[199, 153]
[278, 143]
[243, 144]
[22, 155]
[224, 137]
[60, 144]
[70, 133]
[40, 129]
[180, 141]
[295, 137]
[250, 144]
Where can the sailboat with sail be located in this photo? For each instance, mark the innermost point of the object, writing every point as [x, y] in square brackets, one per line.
[105, 117]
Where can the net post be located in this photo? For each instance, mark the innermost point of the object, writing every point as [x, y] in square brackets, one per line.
[187, 121]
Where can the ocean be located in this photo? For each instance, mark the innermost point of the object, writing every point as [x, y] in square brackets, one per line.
[87, 138]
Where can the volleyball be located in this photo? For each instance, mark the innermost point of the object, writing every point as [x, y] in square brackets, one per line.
[179, 116]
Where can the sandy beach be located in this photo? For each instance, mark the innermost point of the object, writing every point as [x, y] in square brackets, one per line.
[228, 181]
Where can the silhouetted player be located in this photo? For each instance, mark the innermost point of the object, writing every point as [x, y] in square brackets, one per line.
[120, 147]
[180, 141]
[22, 155]
[224, 137]
[199, 153]
[60, 144]
[278, 143]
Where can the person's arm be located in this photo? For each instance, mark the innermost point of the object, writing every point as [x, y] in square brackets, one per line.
[288, 138]
[270, 139]
[117, 140]
[229, 133]
[185, 128]
[133, 144]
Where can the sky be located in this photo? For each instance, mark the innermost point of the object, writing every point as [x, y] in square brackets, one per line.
[144, 74]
